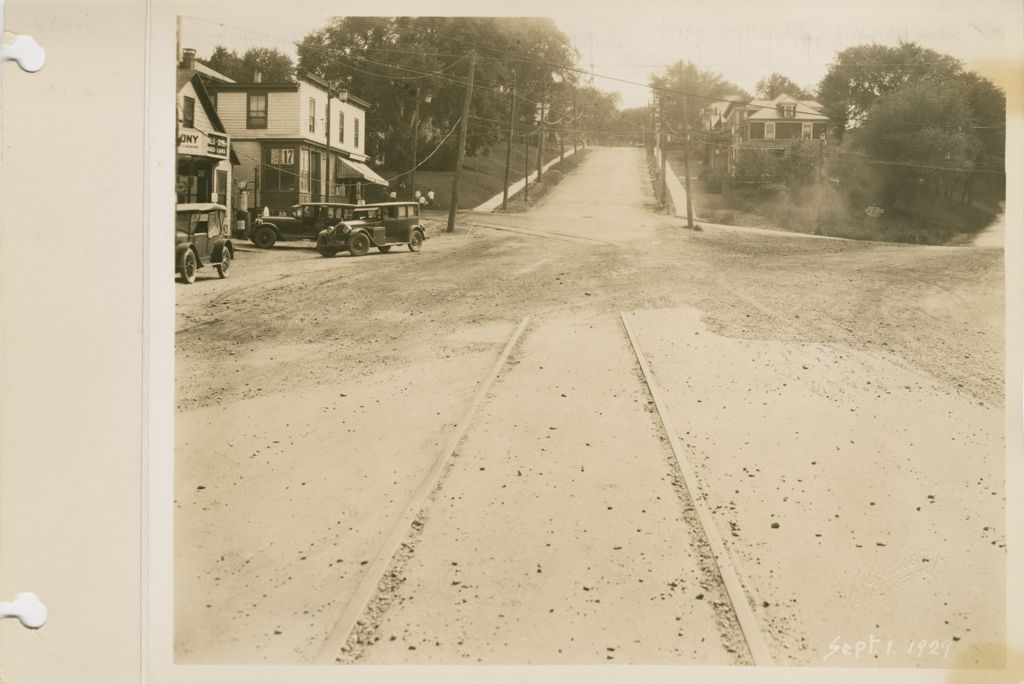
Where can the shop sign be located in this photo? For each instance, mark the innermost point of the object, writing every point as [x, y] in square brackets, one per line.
[199, 144]
[217, 145]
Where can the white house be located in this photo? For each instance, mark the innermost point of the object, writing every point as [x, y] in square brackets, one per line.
[294, 144]
[203, 146]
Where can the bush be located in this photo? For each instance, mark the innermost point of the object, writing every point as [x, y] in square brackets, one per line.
[553, 177]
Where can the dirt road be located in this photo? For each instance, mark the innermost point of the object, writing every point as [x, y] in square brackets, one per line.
[840, 403]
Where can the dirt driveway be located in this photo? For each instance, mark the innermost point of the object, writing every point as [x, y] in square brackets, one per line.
[840, 403]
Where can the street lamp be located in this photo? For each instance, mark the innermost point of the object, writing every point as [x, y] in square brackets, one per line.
[416, 135]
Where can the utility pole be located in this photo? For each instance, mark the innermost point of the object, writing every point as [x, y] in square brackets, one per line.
[327, 149]
[561, 136]
[575, 119]
[661, 150]
[526, 167]
[463, 126]
[415, 141]
[511, 135]
[686, 165]
[543, 130]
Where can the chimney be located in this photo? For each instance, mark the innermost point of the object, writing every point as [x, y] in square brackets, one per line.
[188, 58]
[257, 77]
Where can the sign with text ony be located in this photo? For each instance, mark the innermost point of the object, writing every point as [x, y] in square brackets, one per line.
[197, 143]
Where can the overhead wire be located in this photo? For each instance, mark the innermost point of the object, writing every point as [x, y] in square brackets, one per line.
[654, 87]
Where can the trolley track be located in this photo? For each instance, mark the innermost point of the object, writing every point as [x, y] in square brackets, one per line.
[357, 627]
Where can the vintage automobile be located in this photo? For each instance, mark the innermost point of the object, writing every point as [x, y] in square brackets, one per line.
[201, 239]
[382, 225]
[303, 222]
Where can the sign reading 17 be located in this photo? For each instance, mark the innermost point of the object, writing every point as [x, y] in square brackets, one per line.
[282, 156]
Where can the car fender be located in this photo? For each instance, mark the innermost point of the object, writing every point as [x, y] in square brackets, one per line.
[218, 249]
[180, 251]
[357, 231]
[272, 226]
[423, 231]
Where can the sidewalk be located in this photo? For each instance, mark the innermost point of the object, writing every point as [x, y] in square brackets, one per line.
[495, 202]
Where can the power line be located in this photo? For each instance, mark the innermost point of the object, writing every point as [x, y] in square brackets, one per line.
[406, 172]
[502, 55]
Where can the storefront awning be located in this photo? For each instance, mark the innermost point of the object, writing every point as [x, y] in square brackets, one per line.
[357, 170]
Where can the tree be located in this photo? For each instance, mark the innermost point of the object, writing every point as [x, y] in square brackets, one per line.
[226, 62]
[273, 65]
[860, 76]
[390, 61]
[919, 135]
[776, 84]
[700, 88]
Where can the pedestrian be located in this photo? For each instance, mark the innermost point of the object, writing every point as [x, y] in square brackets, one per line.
[430, 197]
[422, 199]
[392, 195]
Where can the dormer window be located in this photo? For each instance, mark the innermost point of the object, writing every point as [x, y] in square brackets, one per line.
[788, 110]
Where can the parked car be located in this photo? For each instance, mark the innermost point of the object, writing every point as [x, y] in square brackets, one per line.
[381, 225]
[201, 239]
[303, 222]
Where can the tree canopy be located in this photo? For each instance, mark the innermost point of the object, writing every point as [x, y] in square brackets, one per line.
[918, 116]
[700, 87]
[776, 84]
[861, 75]
[274, 65]
[392, 61]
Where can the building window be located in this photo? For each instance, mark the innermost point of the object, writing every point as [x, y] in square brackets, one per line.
[355, 132]
[769, 130]
[188, 117]
[788, 110]
[807, 131]
[303, 170]
[341, 127]
[279, 172]
[256, 110]
[221, 186]
[312, 115]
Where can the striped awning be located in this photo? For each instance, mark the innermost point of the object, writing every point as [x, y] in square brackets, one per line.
[354, 169]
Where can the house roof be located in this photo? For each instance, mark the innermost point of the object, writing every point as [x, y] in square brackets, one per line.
[211, 73]
[288, 86]
[771, 110]
[186, 76]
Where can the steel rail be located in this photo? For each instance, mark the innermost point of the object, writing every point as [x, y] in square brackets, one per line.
[376, 570]
[733, 588]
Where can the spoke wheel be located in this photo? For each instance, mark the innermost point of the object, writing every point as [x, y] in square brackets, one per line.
[359, 244]
[225, 262]
[189, 266]
[415, 241]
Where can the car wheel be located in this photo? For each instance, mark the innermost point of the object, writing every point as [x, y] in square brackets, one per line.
[359, 244]
[415, 241]
[188, 269]
[327, 251]
[384, 249]
[225, 262]
[264, 237]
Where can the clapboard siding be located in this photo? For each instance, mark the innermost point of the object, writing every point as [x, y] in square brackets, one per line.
[282, 115]
[319, 135]
[202, 120]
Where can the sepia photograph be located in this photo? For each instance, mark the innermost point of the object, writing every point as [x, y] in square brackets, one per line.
[648, 334]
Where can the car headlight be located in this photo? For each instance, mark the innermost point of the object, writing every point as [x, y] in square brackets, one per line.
[345, 230]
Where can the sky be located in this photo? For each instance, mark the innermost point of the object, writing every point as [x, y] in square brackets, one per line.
[743, 40]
